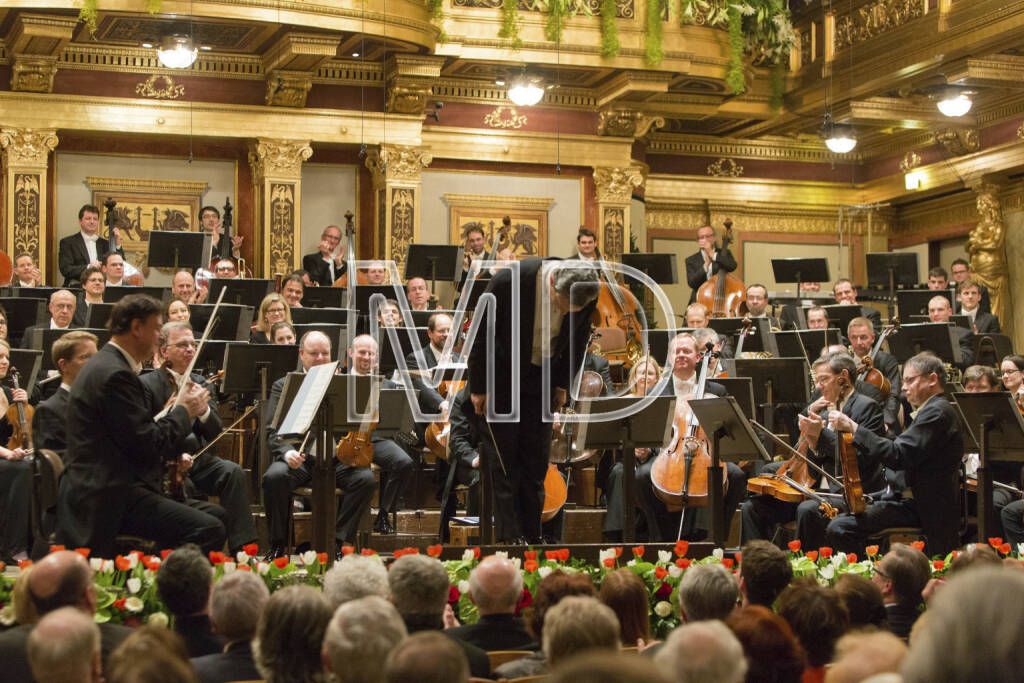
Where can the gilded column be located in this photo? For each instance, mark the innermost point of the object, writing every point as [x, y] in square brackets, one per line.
[614, 192]
[277, 177]
[25, 153]
[986, 247]
[396, 173]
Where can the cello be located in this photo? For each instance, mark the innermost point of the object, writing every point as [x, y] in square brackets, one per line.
[866, 370]
[724, 294]
[617, 307]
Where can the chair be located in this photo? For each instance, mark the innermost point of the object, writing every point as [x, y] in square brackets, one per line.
[499, 657]
[302, 492]
[897, 534]
[47, 467]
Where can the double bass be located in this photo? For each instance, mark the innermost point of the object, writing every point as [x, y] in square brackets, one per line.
[617, 307]
[724, 294]
[350, 256]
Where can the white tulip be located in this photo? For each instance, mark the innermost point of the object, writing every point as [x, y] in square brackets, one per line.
[468, 555]
[663, 609]
[230, 567]
[463, 587]
[134, 604]
[262, 567]
[309, 557]
[157, 619]
[134, 585]
[664, 556]
[502, 554]
[108, 566]
[718, 553]
[242, 557]
[675, 571]
[544, 572]
[96, 563]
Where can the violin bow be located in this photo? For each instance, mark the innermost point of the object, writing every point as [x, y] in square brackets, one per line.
[188, 371]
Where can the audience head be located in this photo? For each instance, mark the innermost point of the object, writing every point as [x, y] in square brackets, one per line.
[282, 333]
[292, 289]
[973, 557]
[355, 577]
[236, 603]
[764, 573]
[696, 315]
[860, 656]
[902, 574]
[937, 278]
[551, 589]
[151, 654]
[359, 637]
[707, 591]
[495, 586]
[62, 307]
[757, 300]
[1011, 368]
[863, 601]
[62, 579]
[701, 652]
[773, 653]
[939, 309]
[817, 318]
[184, 581]
[574, 286]
[576, 624]
[314, 349]
[817, 616]
[972, 630]
[71, 352]
[21, 600]
[419, 589]
[65, 646]
[979, 378]
[427, 657]
[290, 635]
[273, 309]
[626, 594]
[602, 666]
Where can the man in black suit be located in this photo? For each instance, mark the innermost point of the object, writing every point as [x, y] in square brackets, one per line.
[26, 273]
[61, 579]
[62, 316]
[236, 603]
[586, 246]
[940, 311]
[757, 304]
[116, 451]
[209, 473]
[846, 294]
[86, 247]
[969, 296]
[834, 377]
[861, 334]
[222, 248]
[495, 587]
[325, 266]
[961, 271]
[555, 301]
[289, 468]
[464, 457]
[901, 576]
[707, 261]
[929, 452]
[70, 353]
[662, 525]
[439, 326]
[183, 583]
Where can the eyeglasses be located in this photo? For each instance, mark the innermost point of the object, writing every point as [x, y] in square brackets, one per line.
[275, 310]
[1010, 372]
[879, 572]
[184, 345]
[911, 379]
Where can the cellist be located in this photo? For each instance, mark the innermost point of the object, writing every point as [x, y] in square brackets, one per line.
[707, 261]
[685, 357]
[834, 376]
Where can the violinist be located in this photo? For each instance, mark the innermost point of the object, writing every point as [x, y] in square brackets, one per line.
[290, 468]
[273, 309]
[929, 451]
[209, 473]
[328, 263]
[707, 261]
[393, 461]
[685, 359]
[833, 377]
[861, 334]
[439, 326]
[1012, 373]
[15, 477]
[210, 218]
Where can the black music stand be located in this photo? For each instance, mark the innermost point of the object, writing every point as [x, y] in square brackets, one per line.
[732, 440]
[813, 341]
[840, 315]
[27, 362]
[759, 339]
[244, 292]
[800, 270]
[888, 270]
[659, 267]
[211, 356]
[233, 323]
[179, 249]
[38, 292]
[252, 369]
[433, 262]
[742, 389]
[305, 316]
[324, 297]
[958, 320]
[364, 292]
[775, 381]
[338, 334]
[911, 340]
[998, 425]
[420, 318]
[409, 340]
[97, 315]
[23, 312]
[990, 347]
[111, 295]
[915, 301]
[650, 427]
[43, 339]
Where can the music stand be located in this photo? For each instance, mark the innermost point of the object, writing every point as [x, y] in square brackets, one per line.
[429, 261]
[775, 381]
[111, 295]
[211, 356]
[233, 323]
[38, 292]
[813, 341]
[647, 428]
[364, 292]
[23, 312]
[732, 440]
[911, 340]
[742, 389]
[658, 341]
[43, 339]
[97, 315]
[915, 301]
[338, 334]
[420, 318]
[957, 320]
[888, 270]
[800, 270]
[244, 292]
[179, 249]
[323, 297]
[387, 358]
[997, 423]
[992, 347]
[305, 316]
[759, 339]
[840, 315]
[659, 267]
[27, 362]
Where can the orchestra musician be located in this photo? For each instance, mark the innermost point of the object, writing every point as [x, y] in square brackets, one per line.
[861, 334]
[696, 315]
[328, 263]
[969, 296]
[845, 293]
[26, 274]
[981, 378]
[940, 311]
[273, 309]
[395, 464]
[439, 326]
[961, 271]
[116, 451]
[789, 317]
[661, 524]
[226, 269]
[707, 261]
[293, 289]
[15, 477]
[757, 304]
[209, 473]
[418, 294]
[463, 453]
[210, 218]
[177, 312]
[929, 452]
[94, 282]
[62, 316]
[938, 279]
[289, 468]
[834, 377]
[376, 274]
[49, 425]
[282, 333]
[113, 269]
[515, 454]
[586, 246]
[86, 247]
[183, 288]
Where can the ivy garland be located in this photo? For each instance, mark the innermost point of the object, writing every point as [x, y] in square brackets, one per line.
[734, 76]
[89, 11]
[610, 45]
[653, 52]
[510, 23]
[436, 8]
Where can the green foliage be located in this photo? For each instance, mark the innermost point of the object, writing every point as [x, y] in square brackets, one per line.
[734, 76]
[154, 6]
[88, 14]
[436, 8]
[510, 23]
[609, 30]
[653, 52]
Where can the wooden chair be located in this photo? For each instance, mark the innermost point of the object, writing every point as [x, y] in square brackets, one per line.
[47, 467]
[897, 534]
[499, 657]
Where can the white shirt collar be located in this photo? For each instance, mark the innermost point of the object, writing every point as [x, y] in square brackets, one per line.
[55, 326]
[135, 365]
[65, 387]
[90, 238]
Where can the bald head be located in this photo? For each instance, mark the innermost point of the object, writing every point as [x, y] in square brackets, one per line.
[65, 646]
[62, 579]
[495, 586]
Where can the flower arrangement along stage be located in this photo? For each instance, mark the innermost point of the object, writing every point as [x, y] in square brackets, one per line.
[126, 585]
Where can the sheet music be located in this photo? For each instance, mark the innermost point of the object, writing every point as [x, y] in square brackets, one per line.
[303, 409]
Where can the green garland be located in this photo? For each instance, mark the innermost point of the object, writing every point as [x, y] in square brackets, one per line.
[88, 14]
[653, 53]
[436, 8]
[734, 76]
[510, 23]
[609, 30]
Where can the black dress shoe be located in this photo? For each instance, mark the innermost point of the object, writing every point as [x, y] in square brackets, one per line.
[382, 525]
[275, 552]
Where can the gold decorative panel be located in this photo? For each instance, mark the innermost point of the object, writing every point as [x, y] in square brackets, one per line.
[27, 218]
[875, 18]
[529, 215]
[159, 87]
[282, 227]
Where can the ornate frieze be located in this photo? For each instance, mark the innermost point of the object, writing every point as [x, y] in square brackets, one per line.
[26, 147]
[725, 168]
[986, 247]
[397, 163]
[909, 162]
[278, 158]
[615, 185]
[613, 228]
[403, 223]
[288, 88]
[33, 73]
[27, 216]
[626, 123]
[283, 226]
[957, 141]
[766, 217]
[505, 117]
[160, 87]
[875, 18]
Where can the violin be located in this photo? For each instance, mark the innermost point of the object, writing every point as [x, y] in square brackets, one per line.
[853, 491]
[866, 370]
[19, 416]
[565, 448]
[793, 482]
[437, 433]
[724, 294]
[355, 449]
